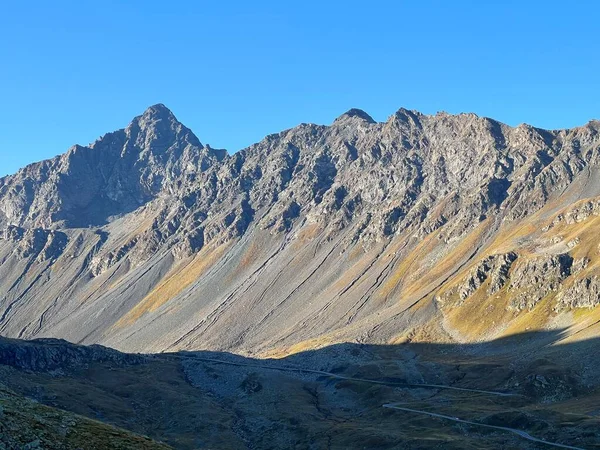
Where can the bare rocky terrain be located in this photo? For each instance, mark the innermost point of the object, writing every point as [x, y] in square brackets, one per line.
[441, 249]
[148, 240]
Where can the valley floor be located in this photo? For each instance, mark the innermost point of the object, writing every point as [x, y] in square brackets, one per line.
[411, 396]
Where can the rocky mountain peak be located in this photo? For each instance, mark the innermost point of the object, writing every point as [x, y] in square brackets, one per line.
[158, 111]
[353, 114]
[404, 117]
[119, 172]
[158, 129]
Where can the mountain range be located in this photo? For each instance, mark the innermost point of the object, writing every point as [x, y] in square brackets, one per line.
[314, 290]
[444, 228]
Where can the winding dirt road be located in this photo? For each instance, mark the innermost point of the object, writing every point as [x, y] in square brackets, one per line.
[519, 433]
[342, 377]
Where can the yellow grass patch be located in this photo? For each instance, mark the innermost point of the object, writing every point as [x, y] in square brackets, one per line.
[586, 325]
[174, 283]
[250, 256]
[305, 235]
[480, 315]
[418, 279]
[403, 271]
[356, 252]
[534, 320]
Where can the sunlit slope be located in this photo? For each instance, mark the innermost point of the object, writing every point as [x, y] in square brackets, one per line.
[540, 273]
[420, 228]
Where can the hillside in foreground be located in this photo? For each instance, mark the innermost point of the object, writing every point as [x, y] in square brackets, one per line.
[524, 393]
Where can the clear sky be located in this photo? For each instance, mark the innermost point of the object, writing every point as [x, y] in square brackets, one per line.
[235, 71]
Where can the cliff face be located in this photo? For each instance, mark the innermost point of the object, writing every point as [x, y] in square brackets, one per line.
[120, 172]
[423, 228]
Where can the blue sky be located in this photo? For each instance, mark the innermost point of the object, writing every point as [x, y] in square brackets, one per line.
[236, 71]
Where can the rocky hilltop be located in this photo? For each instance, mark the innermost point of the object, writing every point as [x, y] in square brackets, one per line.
[447, 228]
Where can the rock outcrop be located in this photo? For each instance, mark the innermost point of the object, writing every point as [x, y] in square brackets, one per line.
[584, 293]
[533, 280]
[56, 354]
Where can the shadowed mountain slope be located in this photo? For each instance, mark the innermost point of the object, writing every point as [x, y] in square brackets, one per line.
[332, 397]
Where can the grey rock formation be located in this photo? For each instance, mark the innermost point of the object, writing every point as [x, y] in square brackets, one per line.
[90, 186]
[584, 293]
[56, 354]
[533, 280]
[495, 267]
[148, 240]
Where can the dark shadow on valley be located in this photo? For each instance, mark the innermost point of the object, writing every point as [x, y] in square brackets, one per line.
[334, 394]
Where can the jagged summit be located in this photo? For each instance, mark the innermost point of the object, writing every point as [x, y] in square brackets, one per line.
[158, 110]
[355, 113]
[408, 117]
[159, 124]
[156, 113]
[121, 171]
